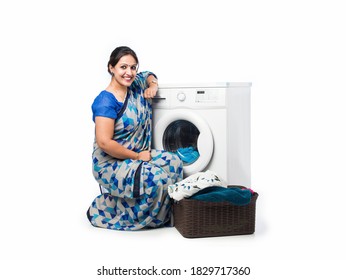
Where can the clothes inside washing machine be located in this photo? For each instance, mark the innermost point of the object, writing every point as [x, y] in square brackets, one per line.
[181, 137]
[188, 155]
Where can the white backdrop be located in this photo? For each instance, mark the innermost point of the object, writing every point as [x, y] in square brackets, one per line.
[53, 63]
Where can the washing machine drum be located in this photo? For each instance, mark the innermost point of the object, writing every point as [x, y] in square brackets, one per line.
[187, 135]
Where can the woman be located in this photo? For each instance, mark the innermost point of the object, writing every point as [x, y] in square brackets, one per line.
[135, 177]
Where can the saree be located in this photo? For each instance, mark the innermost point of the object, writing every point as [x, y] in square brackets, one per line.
[136, 194]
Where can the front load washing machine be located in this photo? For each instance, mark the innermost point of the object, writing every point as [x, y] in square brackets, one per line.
[208, 126]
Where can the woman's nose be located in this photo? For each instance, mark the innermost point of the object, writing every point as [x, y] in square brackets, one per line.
[128, 71]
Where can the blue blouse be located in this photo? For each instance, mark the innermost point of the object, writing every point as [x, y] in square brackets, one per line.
[106, 105]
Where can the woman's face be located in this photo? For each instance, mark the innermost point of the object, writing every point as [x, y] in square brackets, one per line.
[125, 70]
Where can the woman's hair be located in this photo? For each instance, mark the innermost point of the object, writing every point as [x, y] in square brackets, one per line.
[118, 53]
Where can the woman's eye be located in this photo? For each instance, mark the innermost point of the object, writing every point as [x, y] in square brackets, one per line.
[133, 68]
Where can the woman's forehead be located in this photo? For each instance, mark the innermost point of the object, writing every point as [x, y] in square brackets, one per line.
[128, 59]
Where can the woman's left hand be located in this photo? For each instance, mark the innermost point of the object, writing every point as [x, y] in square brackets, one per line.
[151, 91]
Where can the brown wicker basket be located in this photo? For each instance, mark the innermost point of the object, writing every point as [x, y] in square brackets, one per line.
[194, 218]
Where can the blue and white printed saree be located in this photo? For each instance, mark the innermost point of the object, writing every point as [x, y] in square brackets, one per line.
[137, 195]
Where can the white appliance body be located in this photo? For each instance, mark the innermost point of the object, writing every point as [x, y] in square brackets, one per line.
[214, 119]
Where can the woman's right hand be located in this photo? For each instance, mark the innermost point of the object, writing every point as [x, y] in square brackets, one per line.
[144, 156]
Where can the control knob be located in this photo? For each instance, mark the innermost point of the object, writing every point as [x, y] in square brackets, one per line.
[181, 96]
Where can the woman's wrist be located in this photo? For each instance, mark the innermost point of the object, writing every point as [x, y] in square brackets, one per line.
[136, 157]
[152, 81]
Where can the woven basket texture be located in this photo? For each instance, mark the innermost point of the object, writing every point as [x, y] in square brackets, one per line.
[195, 219]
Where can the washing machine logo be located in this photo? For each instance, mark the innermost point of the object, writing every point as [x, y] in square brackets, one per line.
[181, 137]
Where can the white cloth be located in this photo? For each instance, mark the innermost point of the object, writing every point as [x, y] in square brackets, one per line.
[193, 184]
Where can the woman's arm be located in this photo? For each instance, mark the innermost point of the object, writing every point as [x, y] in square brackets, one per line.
[104, 129]
[151, 91]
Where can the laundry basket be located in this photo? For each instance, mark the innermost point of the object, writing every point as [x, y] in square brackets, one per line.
[194, 218]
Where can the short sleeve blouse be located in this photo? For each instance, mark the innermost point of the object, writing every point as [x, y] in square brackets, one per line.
[106, 105]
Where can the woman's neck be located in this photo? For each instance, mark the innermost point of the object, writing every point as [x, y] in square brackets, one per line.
[119, 91]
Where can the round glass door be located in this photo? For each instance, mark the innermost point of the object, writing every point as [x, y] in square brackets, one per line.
[181, 137]
[188, 135]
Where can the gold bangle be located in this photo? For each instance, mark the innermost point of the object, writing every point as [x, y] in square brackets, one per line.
[153, 81]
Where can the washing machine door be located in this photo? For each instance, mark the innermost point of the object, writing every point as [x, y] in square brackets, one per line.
[188, 135]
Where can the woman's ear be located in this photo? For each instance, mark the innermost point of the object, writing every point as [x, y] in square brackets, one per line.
[110, 69]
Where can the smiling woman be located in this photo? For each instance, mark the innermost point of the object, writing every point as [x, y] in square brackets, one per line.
[135, 177]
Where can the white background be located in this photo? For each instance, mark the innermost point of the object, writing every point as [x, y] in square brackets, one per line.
[53, 63]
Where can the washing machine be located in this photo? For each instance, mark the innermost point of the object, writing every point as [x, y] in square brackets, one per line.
[208, 125]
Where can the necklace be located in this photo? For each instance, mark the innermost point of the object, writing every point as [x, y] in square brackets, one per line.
[119, 91]
[120, 96]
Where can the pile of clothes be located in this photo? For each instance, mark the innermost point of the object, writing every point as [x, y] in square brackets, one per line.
[207, 186]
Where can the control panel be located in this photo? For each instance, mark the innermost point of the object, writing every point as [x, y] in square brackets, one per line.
[207, 96]
[190, 98]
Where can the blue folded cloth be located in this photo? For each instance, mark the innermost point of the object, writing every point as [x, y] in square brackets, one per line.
[232, 195]
[188, 154]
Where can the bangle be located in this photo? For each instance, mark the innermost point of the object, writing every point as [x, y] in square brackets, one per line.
[153, 81]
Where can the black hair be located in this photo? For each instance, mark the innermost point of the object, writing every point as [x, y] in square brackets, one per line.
[118, 53]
